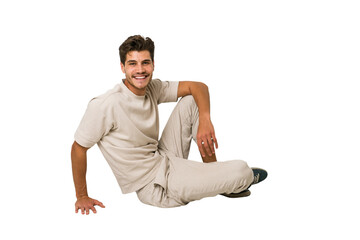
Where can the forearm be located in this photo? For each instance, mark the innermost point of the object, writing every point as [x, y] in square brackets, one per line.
[201, 95]
[205, 137]
[79, 165]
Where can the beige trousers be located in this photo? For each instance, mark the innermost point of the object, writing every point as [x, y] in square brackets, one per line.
[180, 181]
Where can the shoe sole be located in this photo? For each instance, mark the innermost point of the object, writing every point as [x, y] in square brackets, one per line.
[245, 193]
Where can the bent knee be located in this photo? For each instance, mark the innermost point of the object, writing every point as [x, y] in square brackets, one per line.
[187, 107]
[244, 170]
[187, 100]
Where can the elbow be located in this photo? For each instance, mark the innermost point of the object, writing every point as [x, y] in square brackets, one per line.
[203, 85]
[193, 88]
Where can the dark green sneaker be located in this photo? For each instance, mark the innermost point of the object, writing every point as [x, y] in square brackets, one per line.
[259, 175]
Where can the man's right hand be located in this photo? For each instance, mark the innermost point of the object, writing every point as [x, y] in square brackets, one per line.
[85, 204]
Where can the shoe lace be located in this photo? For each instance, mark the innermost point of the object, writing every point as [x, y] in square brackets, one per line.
[256, 178]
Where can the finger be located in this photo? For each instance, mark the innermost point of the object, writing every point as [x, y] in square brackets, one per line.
[76, 209]
[207, 148]
[200, 145]
[93, 209]
[211, 145]
[215, 141]
[87, 211]
[82, 210]
[98, 203]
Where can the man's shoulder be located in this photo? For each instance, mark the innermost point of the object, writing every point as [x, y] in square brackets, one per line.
[106, 99]
[157, 85]
[154, 86]
[164, 91]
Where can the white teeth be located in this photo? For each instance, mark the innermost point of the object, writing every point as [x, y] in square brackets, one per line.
[140, 77]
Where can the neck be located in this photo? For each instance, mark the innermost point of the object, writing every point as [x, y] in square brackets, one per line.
[133, 89]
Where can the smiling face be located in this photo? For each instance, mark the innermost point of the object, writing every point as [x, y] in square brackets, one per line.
[138, 71]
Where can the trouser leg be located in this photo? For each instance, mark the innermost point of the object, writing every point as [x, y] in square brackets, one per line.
[181, 128]
[188, 180]
[192, 180]
[175, 142]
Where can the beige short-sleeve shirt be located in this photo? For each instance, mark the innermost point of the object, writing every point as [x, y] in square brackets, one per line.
[126, 128]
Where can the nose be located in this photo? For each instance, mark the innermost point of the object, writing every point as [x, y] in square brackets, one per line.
[140, 68]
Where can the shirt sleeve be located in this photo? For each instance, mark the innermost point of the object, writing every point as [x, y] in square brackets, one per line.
[166, 90]
[95, 124]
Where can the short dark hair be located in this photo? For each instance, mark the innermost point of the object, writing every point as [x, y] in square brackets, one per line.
[136, 43]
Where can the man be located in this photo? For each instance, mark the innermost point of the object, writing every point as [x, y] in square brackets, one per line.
[124, 123]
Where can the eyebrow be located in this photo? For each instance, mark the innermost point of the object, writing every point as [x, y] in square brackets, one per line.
[146, 60]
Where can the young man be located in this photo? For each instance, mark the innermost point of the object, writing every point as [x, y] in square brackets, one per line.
[124, 123]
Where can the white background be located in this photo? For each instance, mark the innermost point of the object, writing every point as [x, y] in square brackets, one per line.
[284, 84]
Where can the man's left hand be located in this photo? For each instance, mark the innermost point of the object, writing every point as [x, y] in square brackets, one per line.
[206, 138]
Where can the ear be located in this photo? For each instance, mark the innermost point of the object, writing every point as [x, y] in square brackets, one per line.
[122, 67]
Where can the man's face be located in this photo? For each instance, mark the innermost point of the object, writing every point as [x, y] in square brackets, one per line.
[138, 71]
